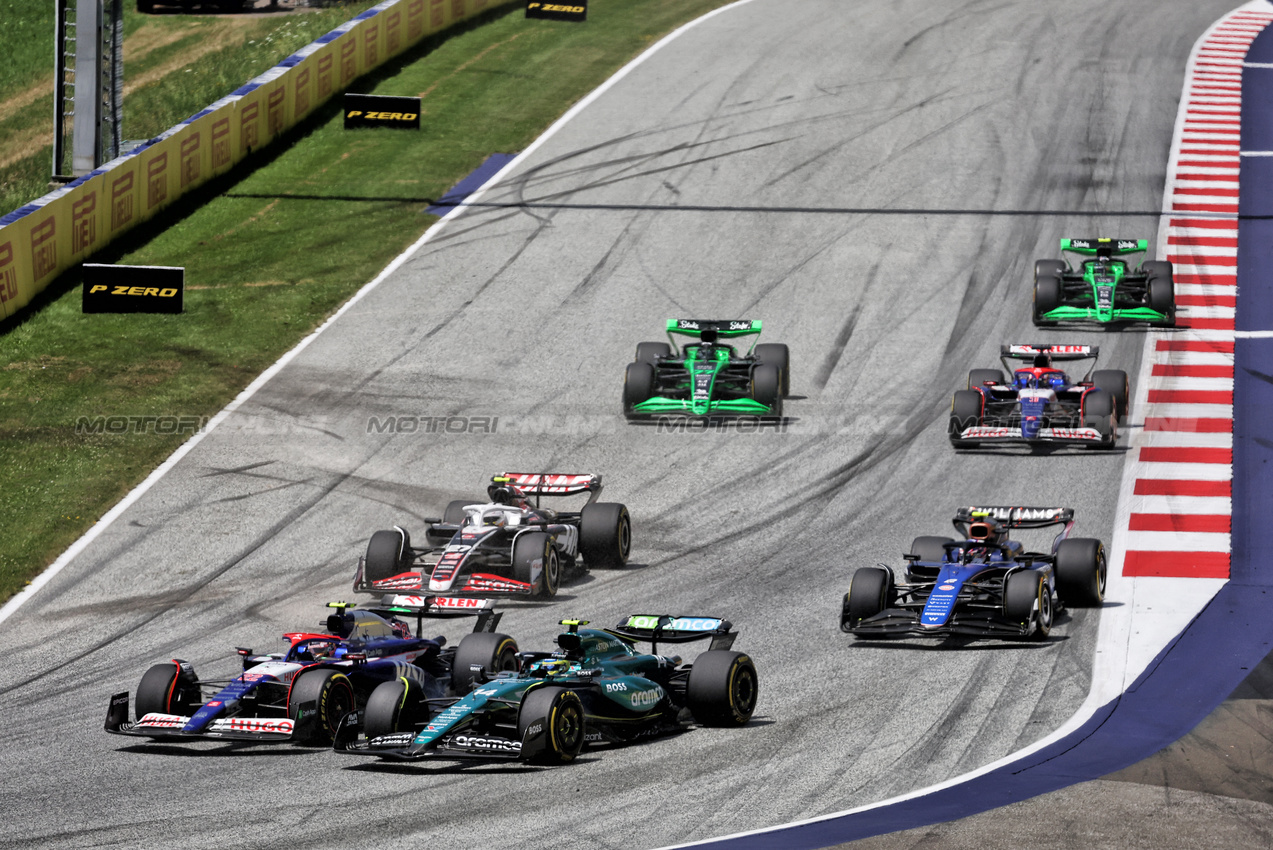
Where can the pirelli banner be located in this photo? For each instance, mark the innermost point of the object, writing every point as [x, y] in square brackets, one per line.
[62, 229]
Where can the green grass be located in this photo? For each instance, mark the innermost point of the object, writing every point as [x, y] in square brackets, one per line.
[247, 46]
[267, 269]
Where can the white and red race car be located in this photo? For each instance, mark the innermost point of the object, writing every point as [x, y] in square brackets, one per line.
[506, 545]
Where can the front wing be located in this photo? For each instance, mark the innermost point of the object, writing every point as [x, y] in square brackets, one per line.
[900, 622]
[258, 730]
[1091, 314]
[662, 406]
[1006, 434]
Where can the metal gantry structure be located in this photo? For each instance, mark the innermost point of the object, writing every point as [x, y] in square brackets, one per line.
[89, 78]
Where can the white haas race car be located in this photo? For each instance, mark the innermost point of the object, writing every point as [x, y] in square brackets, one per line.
[504, 546]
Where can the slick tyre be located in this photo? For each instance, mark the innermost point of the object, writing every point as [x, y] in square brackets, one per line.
[491, 651]
[1047, 297]
[777, 354]
[454, 513]
[870, 591]
[1098, 413]
[396, 706]
[318, 701]
[1162, 297]
[638, 385]
[165, 690]
[559, 714]
[650, 352]
[388, 554]
[1114, 382]
[965, 412]
[766, 387]
[1027, 600]
[980, 377]
[930, 548]
[1081, 572]
[722, 689]
[1048, 268]
[605, 535]
[537, 547]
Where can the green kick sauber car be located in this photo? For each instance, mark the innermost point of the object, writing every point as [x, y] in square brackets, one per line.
[708, 377]
[1104, 289]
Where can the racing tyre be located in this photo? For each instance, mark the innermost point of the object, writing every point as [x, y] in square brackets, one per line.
[1098, 413]
[650, 352]
[777, 354]
[965, 412]
[1114, 382]
[166, 689]
[454, 513]
[491, 651]
[559, 713]
[605, 534]
[1081, 572]
[388, 553]
[930, 548]
[1162, 297]
[394, 707]
[722, 689]
[1027, 600]
[1048, 268]
[979, 377]
[329, 695]
[766, 387]
[870, 592]
[1047, 296]
[537, 546]
[638, 385]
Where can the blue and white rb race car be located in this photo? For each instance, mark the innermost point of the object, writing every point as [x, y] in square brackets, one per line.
[985, 583]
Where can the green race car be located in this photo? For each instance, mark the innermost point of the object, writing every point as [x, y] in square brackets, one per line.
[708, 377]
[1104, 289]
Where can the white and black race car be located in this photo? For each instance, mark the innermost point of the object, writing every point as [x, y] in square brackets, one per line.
[506, 545]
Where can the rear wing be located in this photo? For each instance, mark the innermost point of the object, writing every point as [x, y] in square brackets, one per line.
[710, 329]
[1057, 351]
[670, 629]
[419, 607]
[552, 483]
[1109, 247]
[1013, 517]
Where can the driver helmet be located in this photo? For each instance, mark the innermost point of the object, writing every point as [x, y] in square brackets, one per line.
[553, 667]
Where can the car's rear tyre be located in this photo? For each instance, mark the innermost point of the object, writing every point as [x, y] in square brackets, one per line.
[1098, 413]
[776, 354]
[1048, 268]
[1027, 600]
[454, 513]
[560, 711]
[1081, 572]
[491, 651]
[1047, 297]
[722, 688]
[1162, 297]
[650, 352]
[930, 548]
[1114, 382]
[870, 591]
[396, 706]
[605, 534]
[164, 689]
[537, 546]
[332, 696]
[965, 412]
[638, 385]
[979, 377]
[766, 387]
[388, 554]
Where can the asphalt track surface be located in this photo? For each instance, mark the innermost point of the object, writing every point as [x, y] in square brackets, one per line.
[873, 180]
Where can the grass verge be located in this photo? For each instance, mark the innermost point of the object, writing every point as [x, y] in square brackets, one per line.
[265, 266]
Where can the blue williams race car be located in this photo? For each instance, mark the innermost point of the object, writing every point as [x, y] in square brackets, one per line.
[1040, 404]
[983, 584]
[302, 694]
[594, 688]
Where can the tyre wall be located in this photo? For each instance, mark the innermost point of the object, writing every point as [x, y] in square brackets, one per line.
[41, 240]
